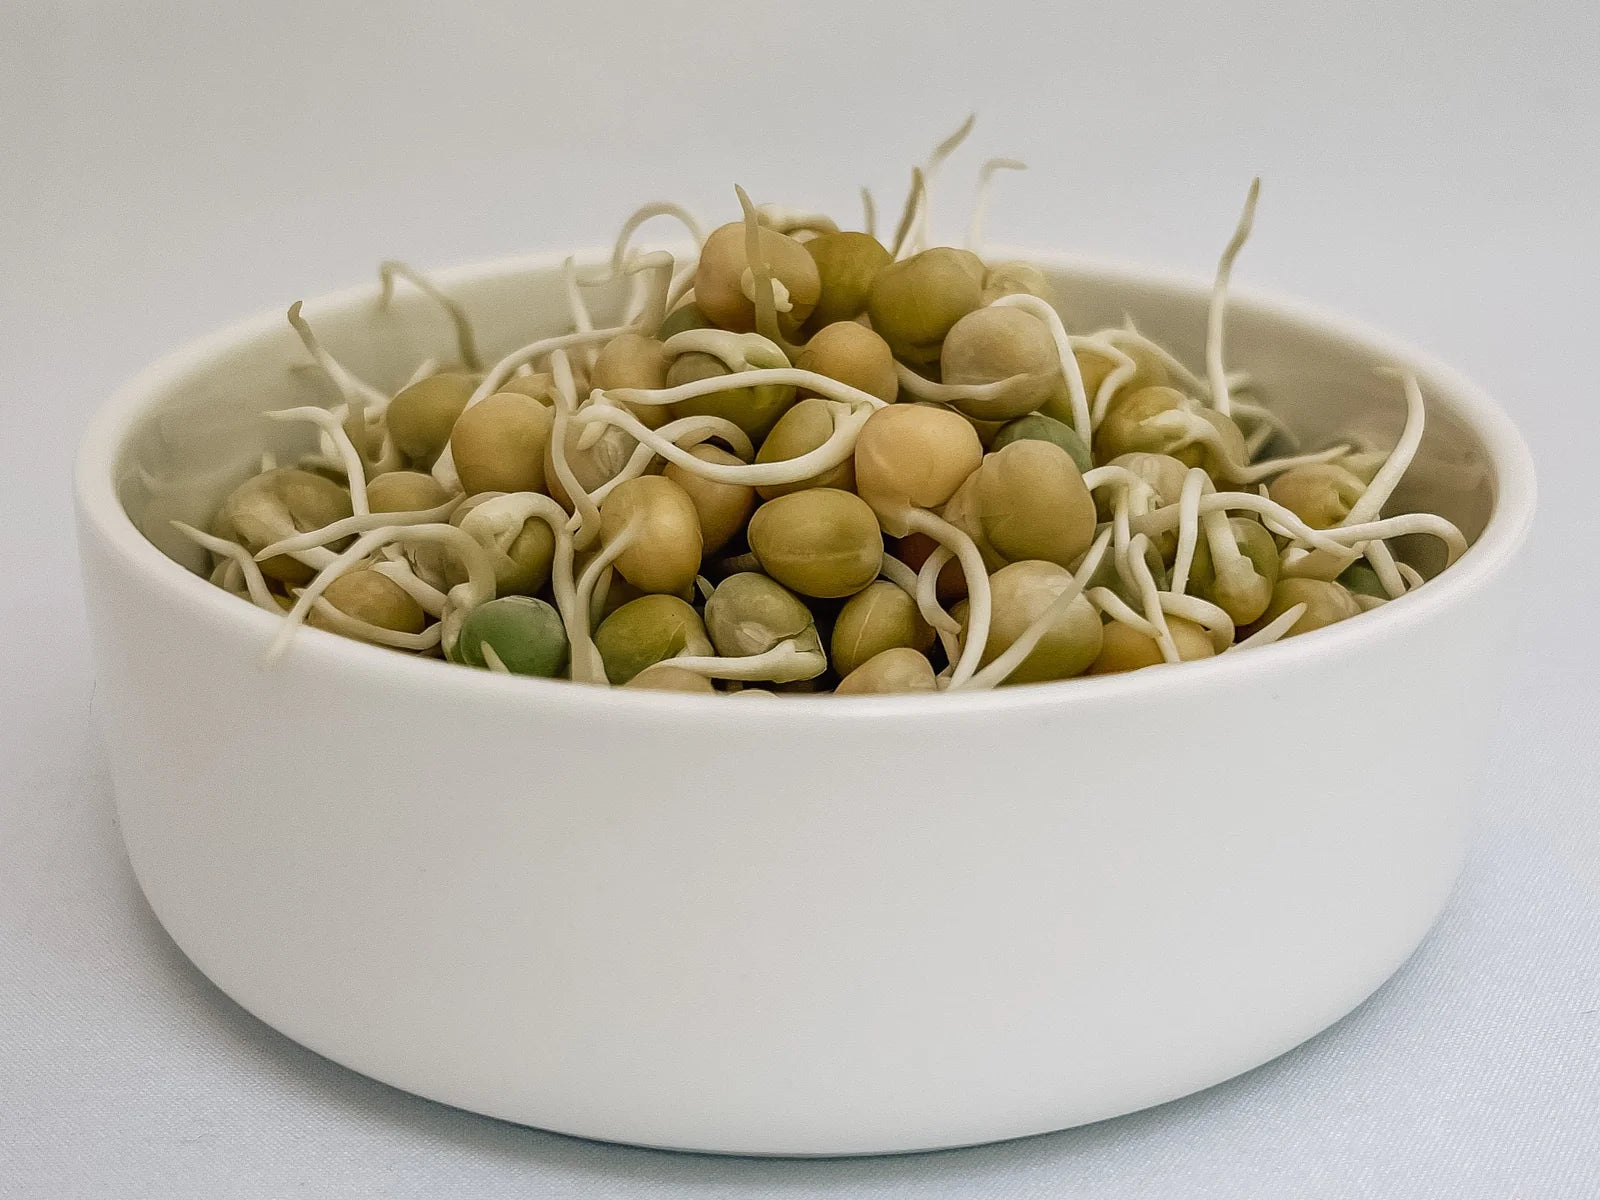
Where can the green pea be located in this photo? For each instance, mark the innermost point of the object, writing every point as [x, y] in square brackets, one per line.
[404, 491]
[749, 614]
[541, 385]
[821, 542]
[1015, 277]
[915, 302]
[913, 456]
[992, 344]
[647, 631]
[524, 632]
[847, 263]
[1126, 649]
[897, 669]
[1036, 427]
[799, 431]
[1124, 429]
[499, 444]
[719, 278]
[1026, 500]
[687, 316]
[373, 597]
[663, 530]
[593, 467]
[852, 354]
[281, 503]
[723, 508]
[1161, 472]
[421, 416]
[1320, 494]
[631, 360]
[1244, 596]
[753, 409]
[1361, 580]
[1019, 594]
[877, 618]
[522, 552]
[1326, 604]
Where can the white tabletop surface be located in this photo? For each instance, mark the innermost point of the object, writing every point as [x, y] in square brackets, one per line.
[164, 168]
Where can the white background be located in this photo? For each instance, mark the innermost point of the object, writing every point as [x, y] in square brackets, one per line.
[165, 168]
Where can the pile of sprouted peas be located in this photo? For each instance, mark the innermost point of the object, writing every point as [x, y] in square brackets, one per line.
[812, 460]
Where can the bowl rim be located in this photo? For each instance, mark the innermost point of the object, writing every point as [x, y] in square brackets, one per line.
[101, 514]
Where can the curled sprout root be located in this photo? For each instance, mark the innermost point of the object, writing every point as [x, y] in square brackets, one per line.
[357, 524]
[333, 429]
[429, 598]
[231, 552]
[479, 588]
[977, 576]
[356, 392]
[466, 343]
[1115, 607]
[1371, 501]
[902, 576]
[636, 219]
[1122, 370]
[339, 621]
[924, 388]
[927, 594]
[1182, 377]
[823, 385]
[1012, 657]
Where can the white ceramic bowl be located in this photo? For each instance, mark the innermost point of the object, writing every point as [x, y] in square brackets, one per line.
[813, 925]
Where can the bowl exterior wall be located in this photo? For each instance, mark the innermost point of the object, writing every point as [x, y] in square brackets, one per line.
[783, 931]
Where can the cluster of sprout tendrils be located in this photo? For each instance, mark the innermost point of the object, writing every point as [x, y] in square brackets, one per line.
[1164, 530]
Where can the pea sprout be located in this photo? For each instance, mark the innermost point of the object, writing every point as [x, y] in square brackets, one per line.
[1115, 607]
[1219, 301]
[478, 589]
[355, 392]
[980, 203]
[1129, 337]
[1069, 361]
[429, 598]
[713, 453]
[240, 558]
[930, 173]
[466, 343]
[795, 220]
[902, 576]
[339, 621]
[899, 246]
[631, 225]
[1194, 483]
[357, 524]
[1012, 657]
[1273, 631]
[333, 429]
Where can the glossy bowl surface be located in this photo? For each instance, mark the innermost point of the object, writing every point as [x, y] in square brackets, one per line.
[808, 926]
